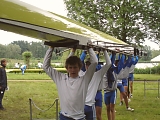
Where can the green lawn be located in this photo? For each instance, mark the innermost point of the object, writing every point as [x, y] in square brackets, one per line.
[147, 76]
[28, 76]
[43, 76]
[16, 100]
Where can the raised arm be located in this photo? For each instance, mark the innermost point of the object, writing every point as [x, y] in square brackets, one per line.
[82, 57]
[52, 73]
[47, 58]
[105, 68]
[136, 60]
[128, 66]
[92, 66]
[98, 67]
[120, 64]
[73, 50]
[127, 62]
[113, 57]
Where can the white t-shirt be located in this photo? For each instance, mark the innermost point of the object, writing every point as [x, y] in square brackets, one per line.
[40, 65]
[72, 91]
[16, 65]
[95, 82]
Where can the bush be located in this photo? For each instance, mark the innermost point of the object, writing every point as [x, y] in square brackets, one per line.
[153, 70]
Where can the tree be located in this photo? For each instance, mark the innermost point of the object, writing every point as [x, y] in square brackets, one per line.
[37, 48]
[153, 22]
[13, 51]
[2, 51]
[131, 21]
[23, 45]
[27, 56]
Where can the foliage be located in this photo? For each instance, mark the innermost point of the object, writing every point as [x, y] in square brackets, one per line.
[2, 51]
[37, 48]
[130, 21]
[15, 49]
[23, 45]
[153, 20]
[10, 51]
[153, 70]
[27, 56]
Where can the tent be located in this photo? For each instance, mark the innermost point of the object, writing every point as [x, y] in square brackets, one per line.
[156, 59]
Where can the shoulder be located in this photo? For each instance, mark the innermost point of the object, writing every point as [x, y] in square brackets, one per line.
[1, 66]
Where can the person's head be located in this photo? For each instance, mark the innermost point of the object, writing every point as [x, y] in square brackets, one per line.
[116, 62]
[87, 63]
[4, 62]
[73, 65]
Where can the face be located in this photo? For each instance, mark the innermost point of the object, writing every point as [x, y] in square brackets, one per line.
[116, 63]
[73, 70]
[4, 63]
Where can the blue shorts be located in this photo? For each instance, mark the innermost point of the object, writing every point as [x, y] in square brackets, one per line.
[98, 99]
[120, 87]
[110, 97]
[62, 117]
[131, 77]
[90, 112]
[124, 82]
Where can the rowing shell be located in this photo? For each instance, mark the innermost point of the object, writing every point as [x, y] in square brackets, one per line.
[59, 31]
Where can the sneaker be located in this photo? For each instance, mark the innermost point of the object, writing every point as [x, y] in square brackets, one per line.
[129, 100]
[130, 109]
[131, 96]
[121, 103]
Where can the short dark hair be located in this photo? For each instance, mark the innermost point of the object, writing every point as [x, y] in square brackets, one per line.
[72, 60]
[3, 60]
[116, 62]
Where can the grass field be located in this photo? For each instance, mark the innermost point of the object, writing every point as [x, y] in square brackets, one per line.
[44, 92]
[43, 76]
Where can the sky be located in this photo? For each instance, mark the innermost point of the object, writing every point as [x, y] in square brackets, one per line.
[56, 6]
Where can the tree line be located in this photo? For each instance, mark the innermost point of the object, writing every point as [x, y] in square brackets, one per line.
[15, 49]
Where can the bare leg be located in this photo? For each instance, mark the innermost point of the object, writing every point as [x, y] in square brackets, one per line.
[131, 87]
[126, 90]
[125, 98]
[108, 112]
[98, 112]
[112, 106]
[121, 99]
